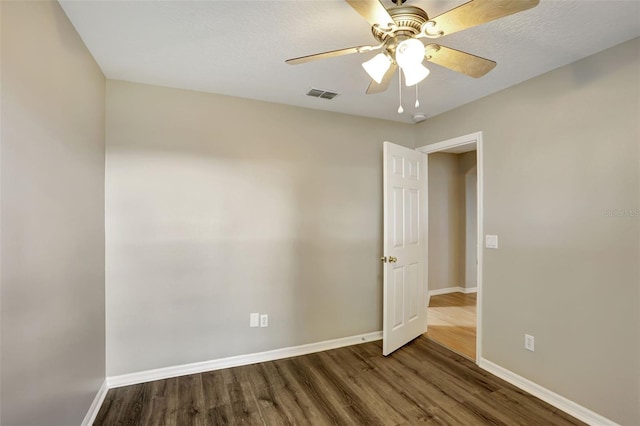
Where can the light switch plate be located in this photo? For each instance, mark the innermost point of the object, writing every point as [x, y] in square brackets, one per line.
[491, 241]
[254, 319]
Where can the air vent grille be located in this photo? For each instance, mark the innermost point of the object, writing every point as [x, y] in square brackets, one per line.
[324, 94]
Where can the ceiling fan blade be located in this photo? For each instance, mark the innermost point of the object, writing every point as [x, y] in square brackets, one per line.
[331, 54]
[373, 11]
[478, 12]
[384, 84]
[465, 63]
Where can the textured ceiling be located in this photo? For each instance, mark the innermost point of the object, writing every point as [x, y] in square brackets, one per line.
[238, 48]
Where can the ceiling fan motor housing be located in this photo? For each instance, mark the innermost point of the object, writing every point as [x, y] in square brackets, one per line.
[408, 23]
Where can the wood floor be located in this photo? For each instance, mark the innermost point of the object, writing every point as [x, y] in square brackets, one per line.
[452, 322]
[420, 383]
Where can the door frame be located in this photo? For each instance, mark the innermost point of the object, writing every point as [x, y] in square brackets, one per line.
[446, 145]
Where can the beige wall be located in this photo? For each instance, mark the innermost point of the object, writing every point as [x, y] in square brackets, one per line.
[449, 211]
[470, 180]
[468, 218]
[444, 222]
[217, 207]
[52, 219]
[560, 152]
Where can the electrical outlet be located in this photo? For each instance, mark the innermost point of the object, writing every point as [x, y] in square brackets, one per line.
[529, 342]
[254, 319]
[264, 320]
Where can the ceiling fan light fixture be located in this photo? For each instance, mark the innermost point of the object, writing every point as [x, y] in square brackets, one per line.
[414, 74]
[377, 66]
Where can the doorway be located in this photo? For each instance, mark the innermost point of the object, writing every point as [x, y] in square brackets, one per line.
[454, 259]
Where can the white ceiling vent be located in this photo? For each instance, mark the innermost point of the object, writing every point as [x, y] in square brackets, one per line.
[324, 94]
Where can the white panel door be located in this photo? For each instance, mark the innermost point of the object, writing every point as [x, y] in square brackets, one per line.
[405, 310]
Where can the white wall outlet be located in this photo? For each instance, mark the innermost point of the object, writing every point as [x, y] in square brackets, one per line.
[529, 342]
[254, 319]
[264, 320]
[491, 241]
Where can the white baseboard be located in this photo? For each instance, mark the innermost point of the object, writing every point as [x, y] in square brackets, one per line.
[236, 361]
[458, 289]
[564, 404]
[95, 405]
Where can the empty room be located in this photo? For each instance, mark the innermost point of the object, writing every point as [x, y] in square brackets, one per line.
[319, 212]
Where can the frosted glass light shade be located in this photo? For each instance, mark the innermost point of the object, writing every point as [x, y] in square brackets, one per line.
[414, 74]
[377, 66]
[409, 52]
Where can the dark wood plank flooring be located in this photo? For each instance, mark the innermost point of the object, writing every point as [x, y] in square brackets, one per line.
[422, 382]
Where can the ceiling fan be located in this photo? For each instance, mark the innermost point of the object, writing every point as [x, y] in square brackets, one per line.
[399, 30]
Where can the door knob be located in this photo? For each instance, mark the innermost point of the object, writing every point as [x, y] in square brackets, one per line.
[393, 259]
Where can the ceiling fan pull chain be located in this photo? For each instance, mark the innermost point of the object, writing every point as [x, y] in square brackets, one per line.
[417, 101]
[400, 109]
